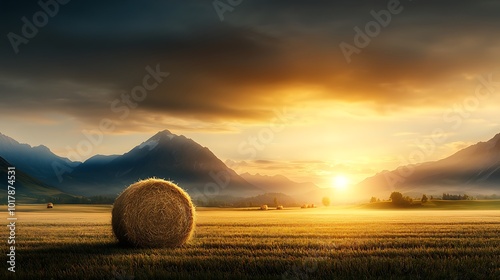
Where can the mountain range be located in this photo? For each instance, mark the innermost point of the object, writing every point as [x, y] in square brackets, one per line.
[31, 190]
[473, 170]
[279, 184]
[165, 155]
[36, 161]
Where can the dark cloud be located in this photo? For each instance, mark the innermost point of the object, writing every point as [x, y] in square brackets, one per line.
[92, 52]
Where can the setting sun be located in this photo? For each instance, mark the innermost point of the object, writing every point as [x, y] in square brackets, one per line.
[340, 182]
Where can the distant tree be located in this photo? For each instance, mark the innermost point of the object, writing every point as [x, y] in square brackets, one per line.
[424, 199]
[432, 197]
[378, 199]
[326, 201]
[398, 199]
[447, 196]
[396, 196]
[373, 199]
[276, 201]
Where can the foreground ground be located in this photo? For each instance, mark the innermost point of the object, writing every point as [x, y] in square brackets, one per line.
[76, 242]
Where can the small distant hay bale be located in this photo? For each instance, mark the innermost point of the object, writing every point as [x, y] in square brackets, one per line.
[153, 213]
[263, 207]
[280, 207]
[304, 206]
[50, 205]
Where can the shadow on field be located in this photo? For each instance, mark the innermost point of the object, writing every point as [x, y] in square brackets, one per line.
[111, 248]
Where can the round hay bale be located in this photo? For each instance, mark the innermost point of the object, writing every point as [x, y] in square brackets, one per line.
[153, 213]
[280, 207]
[263, 207]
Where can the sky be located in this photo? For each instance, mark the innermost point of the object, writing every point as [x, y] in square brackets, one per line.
[308, 89]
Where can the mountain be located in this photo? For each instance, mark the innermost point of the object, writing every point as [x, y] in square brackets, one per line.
[291, 193]
[101, 159]
[473, 170]
[165, 155]
[31, 190]
[36, 161]
[279, 184]
[267, 199]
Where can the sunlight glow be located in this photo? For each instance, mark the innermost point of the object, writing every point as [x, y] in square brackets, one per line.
[340, 182]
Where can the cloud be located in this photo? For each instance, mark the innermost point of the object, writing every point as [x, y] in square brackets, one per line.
[265, 54]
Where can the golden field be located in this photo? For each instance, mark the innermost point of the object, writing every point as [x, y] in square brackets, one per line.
[76, 242]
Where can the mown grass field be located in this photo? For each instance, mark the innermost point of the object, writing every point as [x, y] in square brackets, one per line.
[438, 205]
[76, 242]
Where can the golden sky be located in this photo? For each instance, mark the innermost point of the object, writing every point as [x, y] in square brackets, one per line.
[269, 71]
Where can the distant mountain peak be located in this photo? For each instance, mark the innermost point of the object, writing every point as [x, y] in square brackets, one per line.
[261, 176]
[475, 168]
[164, 134]
[165, 155]
[160, 137]
[278, 184]
[496, 138]
[8, 140]
[36, 161]
[42, 148]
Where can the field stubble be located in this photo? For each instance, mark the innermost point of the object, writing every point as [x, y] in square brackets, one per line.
[76, 242]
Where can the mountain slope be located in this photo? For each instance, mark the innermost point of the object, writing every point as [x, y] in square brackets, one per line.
[475, 170]
[36, 161]
[165, 155]
[30, 190]
[267, 199]
[279, 184]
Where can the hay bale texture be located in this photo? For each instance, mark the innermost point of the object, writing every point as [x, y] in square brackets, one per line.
[263, 207]
[153, 213]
